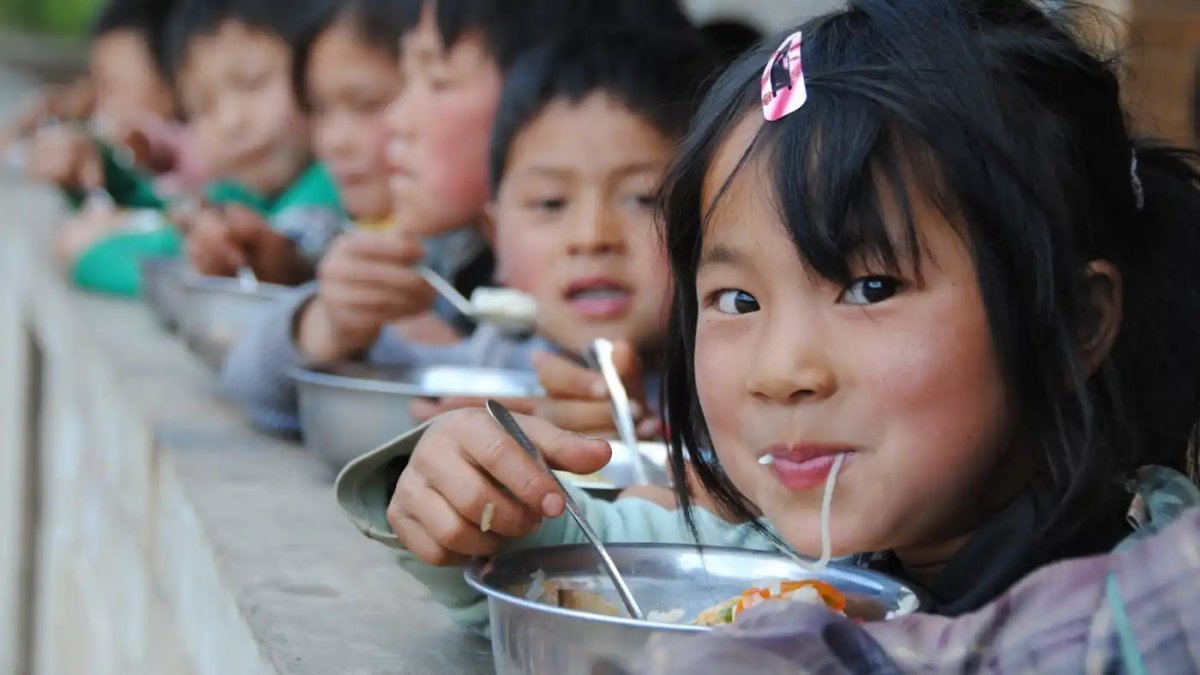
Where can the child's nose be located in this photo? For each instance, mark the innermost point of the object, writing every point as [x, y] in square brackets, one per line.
[231, 118]
[598, 230]
[398, 118]
[794, 367]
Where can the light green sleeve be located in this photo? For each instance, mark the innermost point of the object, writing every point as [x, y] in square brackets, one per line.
[364, 489]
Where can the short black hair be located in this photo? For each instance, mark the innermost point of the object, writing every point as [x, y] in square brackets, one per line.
[294, 22]
[145, 17]
[509, 27]
[379, 23]
[658, 76]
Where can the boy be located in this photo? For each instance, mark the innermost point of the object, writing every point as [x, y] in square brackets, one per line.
[454, 61]
[231, 61]
[586, 128]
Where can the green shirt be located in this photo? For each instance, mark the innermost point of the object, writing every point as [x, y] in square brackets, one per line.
[113, 264]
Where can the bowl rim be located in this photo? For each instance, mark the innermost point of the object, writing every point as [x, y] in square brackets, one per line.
[318, 375]
[228, 286]
[478, 567]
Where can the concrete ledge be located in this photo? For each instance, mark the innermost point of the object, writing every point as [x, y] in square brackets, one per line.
[170, 537]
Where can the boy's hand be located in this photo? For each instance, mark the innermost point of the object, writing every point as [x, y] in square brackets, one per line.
[577, 398]
[367, 281]
[465, 462]
[66, 157]
[222, 239]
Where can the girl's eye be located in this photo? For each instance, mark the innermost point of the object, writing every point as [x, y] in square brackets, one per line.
[870, 291]
[733, 301]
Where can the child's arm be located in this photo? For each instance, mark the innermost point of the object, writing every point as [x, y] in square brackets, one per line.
[431, 508]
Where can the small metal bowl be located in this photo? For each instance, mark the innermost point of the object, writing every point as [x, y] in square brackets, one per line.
[217, 310]
[162, 288]
[348, 409]
[529, 637]
[609, 482]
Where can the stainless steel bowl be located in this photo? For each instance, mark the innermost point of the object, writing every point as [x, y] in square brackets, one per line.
[531, 638]
[162, 288]
[217, 310]
[351, 408]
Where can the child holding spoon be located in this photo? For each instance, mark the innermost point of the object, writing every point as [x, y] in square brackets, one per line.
[580, 146]
[987, 344]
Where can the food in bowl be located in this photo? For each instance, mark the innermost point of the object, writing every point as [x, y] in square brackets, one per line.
[581, 596]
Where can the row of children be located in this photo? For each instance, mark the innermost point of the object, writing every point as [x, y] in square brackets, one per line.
[942, 265]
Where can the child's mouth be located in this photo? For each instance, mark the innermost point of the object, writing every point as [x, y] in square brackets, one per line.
[805, 470]
[599, 298]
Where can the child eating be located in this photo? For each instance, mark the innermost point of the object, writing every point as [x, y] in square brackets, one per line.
[925, 267]
[559, 197]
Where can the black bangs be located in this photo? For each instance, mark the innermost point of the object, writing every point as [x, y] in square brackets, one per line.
[993, 113]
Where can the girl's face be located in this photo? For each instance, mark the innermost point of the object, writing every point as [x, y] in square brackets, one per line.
[897, 374]
[350, 85]
[575, 223]
[130, 89]
[440, 127]
[237, 90]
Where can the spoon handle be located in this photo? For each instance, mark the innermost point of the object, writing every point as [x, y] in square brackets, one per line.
[600, 357]
[501, 415]
[446, 290]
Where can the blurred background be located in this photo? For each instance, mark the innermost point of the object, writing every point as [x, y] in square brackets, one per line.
[1160, 38]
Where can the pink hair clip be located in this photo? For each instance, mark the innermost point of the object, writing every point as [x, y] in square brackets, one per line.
[783, 88]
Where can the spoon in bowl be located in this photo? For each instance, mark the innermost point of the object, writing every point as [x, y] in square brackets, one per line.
[506, 420]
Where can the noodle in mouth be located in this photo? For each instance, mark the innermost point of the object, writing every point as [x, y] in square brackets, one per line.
[826, 508]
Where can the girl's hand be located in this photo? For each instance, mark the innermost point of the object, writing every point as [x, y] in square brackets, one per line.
[577, 398]
[466, 465]
[368, 280]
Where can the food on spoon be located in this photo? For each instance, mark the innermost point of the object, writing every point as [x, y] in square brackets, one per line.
[791, 591]
[504, 305]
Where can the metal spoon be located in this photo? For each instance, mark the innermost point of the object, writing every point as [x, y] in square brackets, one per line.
[501, 415]
[599, 355]
[470, 308]
[247, 279]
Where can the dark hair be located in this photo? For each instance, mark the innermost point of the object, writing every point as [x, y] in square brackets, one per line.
[1196, 105]
[378, 23]
[512, 26]
[997, 114]
[147, 18]
[657, 76]
[731, 38]
[295, 23]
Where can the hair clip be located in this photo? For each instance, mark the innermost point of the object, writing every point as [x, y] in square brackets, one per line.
[783, 88]
[1135, 181]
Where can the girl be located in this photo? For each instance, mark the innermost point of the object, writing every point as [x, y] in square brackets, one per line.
[949, 272]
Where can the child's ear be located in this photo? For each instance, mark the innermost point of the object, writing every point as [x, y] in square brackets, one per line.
[1102, 317]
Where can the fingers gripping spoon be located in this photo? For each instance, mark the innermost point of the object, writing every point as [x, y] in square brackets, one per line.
[501, 415]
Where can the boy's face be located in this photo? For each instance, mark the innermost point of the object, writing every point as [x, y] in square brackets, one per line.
[350, 86]
[575, 223]
[440, 127]
[130, 89]
[236, 88]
